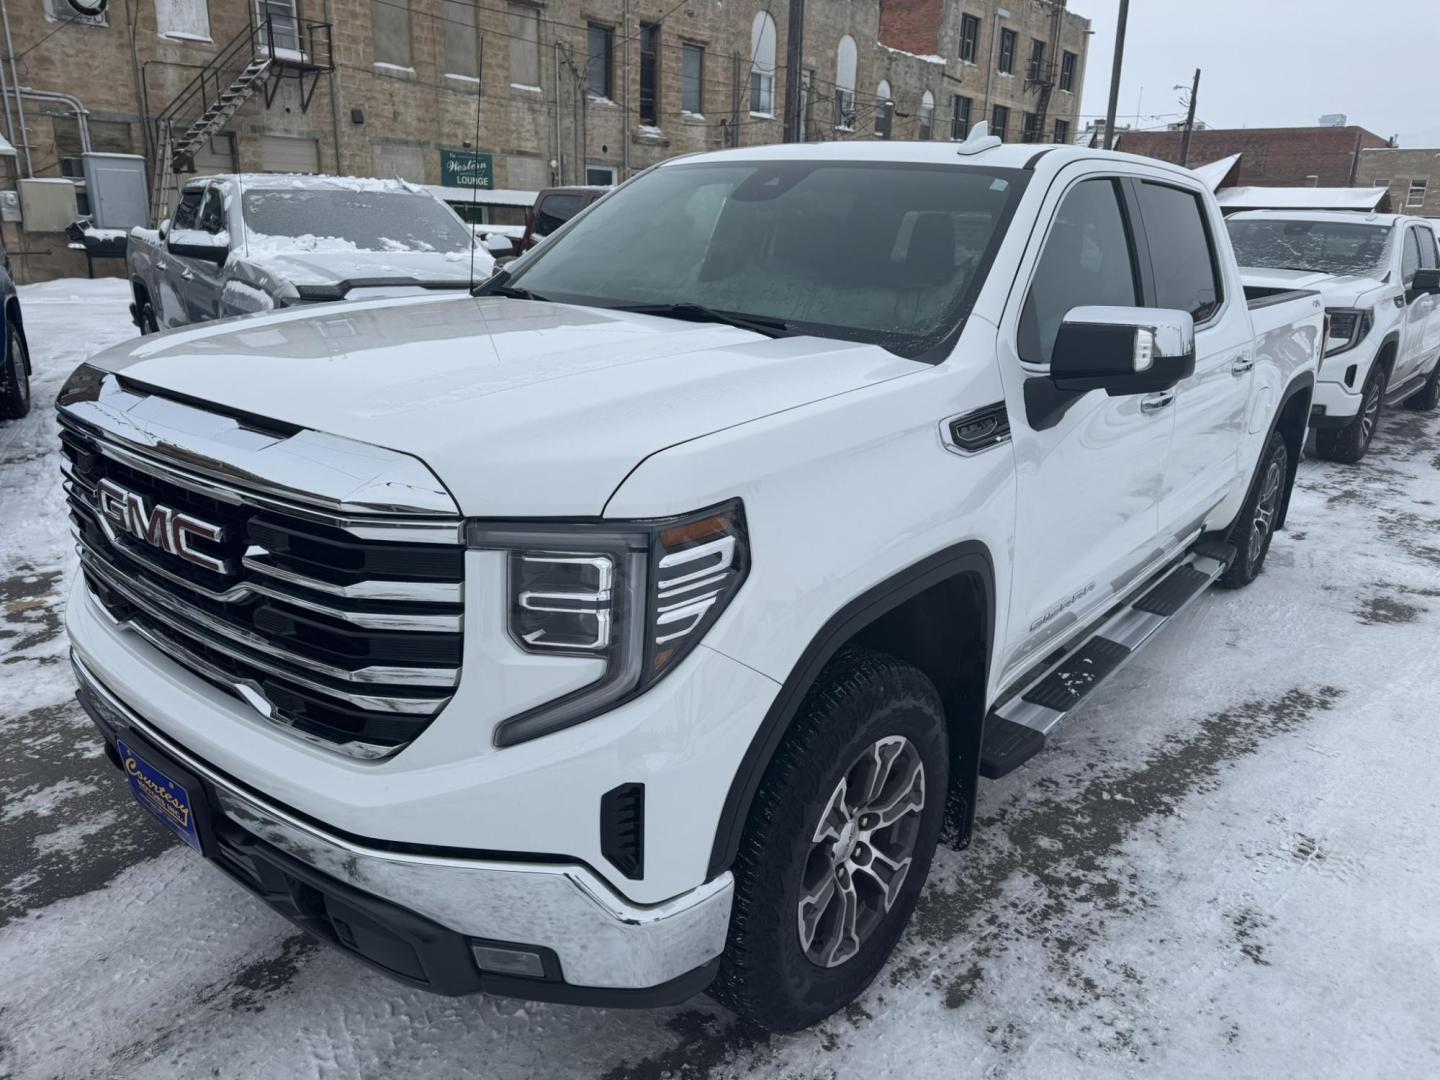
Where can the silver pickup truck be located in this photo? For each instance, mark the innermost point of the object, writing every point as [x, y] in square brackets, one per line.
[246, 243]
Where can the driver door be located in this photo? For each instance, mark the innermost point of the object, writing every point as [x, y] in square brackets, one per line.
[1090, 467]
[201, 281]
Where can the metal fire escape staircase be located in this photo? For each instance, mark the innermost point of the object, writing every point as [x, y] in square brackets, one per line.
[1041, 76]
[256, 60]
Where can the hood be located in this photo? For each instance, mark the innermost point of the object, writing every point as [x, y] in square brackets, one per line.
[332, 267]
[1338, 290]
[522, 408]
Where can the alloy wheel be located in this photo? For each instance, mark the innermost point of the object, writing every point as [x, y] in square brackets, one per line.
[1370, 415]
[1265, 509]
[861, 851]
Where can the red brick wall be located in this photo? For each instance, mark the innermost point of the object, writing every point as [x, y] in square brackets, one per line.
[912, 25]
[1270, 157]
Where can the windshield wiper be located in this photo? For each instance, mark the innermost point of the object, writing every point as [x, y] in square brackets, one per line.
[758, 324]
[496, 287]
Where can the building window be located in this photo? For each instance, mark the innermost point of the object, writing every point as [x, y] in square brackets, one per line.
[762, 65]
[1382, 181]
[1029, 127]
[884, 110]
[845, 57]
[462, 41]
[600, 175]
[1068, 60]
[188, 20]
[1417, 192]
[390, 31]
[999, 121]
[599, 67]
[969, 38]
[927, 115]
[1037, 61]
[650, 74]
[1007, 51]
[524, 46]
[1062, 132]
[960, 116]
[692, 79]
[279, 24]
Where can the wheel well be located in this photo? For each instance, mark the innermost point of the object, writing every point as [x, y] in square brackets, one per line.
[1386, 357]
[138, 288]
[1292, 424]
[938, 615]
[12, 313]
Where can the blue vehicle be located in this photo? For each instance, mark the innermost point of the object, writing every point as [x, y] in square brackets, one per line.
[15, 361]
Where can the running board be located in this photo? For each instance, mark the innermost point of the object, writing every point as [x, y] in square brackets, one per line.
[1015, 730]
[1398, 394]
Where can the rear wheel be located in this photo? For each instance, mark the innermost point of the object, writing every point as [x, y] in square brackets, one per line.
[838, 844]
[14, 375]
[1255, 527]
[1428, 396]
[1349, 443]
[149, 324]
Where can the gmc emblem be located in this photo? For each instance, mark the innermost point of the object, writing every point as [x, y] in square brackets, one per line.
[160, 527]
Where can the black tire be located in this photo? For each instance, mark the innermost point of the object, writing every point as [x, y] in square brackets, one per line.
[148, 323]
[1349, 443]
[14, 375]
[1255, 527]
[863, 703]
[1428, 396]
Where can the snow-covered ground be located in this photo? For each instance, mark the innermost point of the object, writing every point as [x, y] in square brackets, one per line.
[1229, 864]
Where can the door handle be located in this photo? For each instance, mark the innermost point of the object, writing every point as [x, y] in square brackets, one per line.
[1153, 403]
[186, 274]
[1241, 365]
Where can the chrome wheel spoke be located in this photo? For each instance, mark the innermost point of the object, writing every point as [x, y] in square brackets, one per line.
[813, 906]
[887, 873]
[908, 798]
[846, 939]
[835, 818]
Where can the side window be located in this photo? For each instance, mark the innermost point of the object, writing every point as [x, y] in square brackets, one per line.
[188, 210]
[1182, 253]
[1088, 260]
[1410, 261]
[212, 214]
[1427, 249]
[555, 211]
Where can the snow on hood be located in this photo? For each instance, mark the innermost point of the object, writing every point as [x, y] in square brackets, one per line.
[521, 408]
[1339, 290]
[329, 265]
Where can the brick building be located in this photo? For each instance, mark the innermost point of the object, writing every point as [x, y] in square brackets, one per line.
[509, 93]
[1413, 177]
[1270, 157]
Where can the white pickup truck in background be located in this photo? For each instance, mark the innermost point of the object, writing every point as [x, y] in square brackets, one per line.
[629, 628]
[246, 243]
[1380, 277]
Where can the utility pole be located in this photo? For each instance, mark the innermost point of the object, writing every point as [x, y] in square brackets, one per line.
[794, 62]
[1189, 122]
[1115, 75]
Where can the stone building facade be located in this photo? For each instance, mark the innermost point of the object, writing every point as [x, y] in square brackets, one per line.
[520, 94]
[1413, 177]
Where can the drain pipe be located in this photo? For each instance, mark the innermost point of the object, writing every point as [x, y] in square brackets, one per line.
[82, 114]
[9, 120]
[15, 81]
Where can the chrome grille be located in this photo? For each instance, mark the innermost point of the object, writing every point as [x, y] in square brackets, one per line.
[340, 619]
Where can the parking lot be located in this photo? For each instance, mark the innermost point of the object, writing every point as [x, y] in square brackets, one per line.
[1228, 864]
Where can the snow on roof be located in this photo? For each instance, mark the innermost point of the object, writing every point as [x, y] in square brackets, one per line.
[1214, 172]
[305, 181]
[1303, 198]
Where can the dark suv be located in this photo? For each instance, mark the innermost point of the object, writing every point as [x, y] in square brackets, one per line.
[553, 208]
[15, 358]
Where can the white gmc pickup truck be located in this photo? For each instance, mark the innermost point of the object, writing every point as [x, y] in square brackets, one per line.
[632, 627]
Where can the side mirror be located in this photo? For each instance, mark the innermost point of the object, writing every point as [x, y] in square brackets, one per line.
[1123, 350]
[1426, 283]
[197, 244]
[164, 228]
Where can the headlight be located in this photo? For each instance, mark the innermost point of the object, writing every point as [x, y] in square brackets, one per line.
[638, 596]
[1348, 327]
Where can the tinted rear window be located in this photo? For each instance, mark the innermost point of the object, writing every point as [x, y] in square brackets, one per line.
[1324, 247]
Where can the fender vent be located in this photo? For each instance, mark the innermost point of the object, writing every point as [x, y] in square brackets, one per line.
[622, 828]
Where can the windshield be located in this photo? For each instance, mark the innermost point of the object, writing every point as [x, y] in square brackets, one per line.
[1325, 247]
[339, 219]
[881, 252]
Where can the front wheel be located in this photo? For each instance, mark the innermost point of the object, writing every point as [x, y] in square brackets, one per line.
[1428, 396]
[838, 844]
[1349, 443]
[1255, 527]
[14, 375]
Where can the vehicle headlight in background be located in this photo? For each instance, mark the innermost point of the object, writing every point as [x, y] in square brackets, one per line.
[1348, 327]
[638, 596]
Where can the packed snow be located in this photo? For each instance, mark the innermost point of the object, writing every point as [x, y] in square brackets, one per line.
[1226, 865]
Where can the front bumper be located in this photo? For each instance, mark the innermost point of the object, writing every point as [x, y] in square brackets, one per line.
[419, 916]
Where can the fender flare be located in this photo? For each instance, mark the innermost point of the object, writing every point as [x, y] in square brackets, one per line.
[1301, 383]
[967, 557]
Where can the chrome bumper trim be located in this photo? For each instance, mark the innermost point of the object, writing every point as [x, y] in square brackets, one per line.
[602, 940]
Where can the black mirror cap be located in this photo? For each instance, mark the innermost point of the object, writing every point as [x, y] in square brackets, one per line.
[1427, 280]
[211, 252]
[1101, 356]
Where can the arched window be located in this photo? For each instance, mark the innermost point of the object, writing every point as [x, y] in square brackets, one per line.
[845, 84]
[884, 110]
[762, 65]
[927, 115]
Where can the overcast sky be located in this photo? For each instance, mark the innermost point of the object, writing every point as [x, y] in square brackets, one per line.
[1273, 63]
